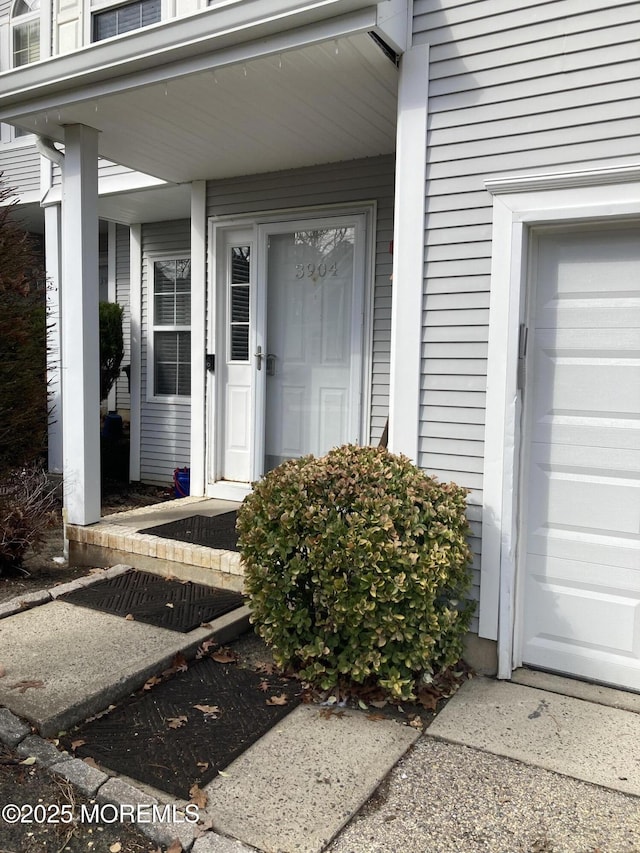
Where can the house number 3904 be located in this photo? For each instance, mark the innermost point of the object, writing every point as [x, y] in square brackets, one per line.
[316, 271]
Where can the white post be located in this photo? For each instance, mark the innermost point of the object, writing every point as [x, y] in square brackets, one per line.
[80, 328]
[52, 225]
[135, 307]
[408, 252]
[198, 335]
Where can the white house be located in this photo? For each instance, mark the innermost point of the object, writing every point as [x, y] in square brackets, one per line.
[321, 214]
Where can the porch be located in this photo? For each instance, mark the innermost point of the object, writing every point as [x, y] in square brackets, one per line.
[120, 538]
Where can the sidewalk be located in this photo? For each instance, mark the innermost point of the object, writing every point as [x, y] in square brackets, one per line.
[502, 767]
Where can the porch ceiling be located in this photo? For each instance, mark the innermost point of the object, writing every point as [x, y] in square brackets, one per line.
[325, 102]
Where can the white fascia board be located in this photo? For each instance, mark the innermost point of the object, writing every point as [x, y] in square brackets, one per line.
[203, 41]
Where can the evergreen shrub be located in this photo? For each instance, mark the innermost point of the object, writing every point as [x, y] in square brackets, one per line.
[357, 566]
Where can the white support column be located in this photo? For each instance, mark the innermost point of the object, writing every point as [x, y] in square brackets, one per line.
[408, 252]
[80, 332]
[198, 334]
[135, 307]
[52, 236]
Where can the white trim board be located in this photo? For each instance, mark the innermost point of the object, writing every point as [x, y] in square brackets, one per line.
[519, 204]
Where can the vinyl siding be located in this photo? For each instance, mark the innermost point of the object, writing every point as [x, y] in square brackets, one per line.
[514, 88]
[20, 167]
[164, 426]
[123, 290]
[339, 183]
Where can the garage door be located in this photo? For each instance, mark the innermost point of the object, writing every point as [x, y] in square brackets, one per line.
[580, 500]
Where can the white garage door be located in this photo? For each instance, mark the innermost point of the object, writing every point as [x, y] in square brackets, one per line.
[580, 510]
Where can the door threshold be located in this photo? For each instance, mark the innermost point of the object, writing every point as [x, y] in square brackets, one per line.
[229, 491]
[566, 685]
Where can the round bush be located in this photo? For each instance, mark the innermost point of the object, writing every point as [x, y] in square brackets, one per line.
[357, 567]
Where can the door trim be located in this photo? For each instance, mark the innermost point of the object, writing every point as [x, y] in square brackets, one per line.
[520, 203]
[261, 223]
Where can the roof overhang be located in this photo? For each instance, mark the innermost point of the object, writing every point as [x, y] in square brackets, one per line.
[238, 88]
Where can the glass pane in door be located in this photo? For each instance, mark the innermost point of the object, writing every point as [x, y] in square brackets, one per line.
[311, 393]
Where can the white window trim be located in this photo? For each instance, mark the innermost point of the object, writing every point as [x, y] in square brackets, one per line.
[518, 204]
[91, 8]
[151, 396]
[28, 17]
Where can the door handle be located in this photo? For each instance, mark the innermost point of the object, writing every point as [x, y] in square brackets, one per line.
[271, 364]
[258, 354]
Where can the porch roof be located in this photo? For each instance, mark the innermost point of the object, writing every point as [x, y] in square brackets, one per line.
[204, 97]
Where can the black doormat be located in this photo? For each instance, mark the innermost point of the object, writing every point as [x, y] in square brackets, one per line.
[212, 531]
[184, 730]
[156, 600]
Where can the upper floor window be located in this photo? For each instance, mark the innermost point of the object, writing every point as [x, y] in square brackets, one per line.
[123, 19]
[25, 27]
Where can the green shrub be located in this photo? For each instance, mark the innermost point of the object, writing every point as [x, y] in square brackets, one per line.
[357, 567]
[111, 345]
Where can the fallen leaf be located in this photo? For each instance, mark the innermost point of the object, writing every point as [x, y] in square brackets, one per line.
[224, 656]
[198, 797]
[91, 762]
[202, 828]
[206, 625]
[169, 604]
[204, 647]
[176, 847]
[115, 848]
[362, 705]
[376, 717]
[76, 743]
[23, 686]
[416, 723]
[130, 617]
[151, 682]
[264, 686]
[208, 710]
[3, 671]
[223, 773]
[176, 722]
[29, 761]
[282, 699]
[202, 765]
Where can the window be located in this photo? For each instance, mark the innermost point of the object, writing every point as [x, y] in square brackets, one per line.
[25, 31]
[240, 261]
[123, 19]
[172, 327]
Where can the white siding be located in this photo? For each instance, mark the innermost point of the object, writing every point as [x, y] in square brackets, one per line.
[338, 183]
[123, 298]
[165, 427]
[516, 87]
[20, 167]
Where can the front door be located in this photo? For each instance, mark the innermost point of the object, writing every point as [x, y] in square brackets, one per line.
[312, 365]
[288, 345]
[580, 534]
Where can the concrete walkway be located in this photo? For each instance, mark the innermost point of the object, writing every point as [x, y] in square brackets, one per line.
[496, 771]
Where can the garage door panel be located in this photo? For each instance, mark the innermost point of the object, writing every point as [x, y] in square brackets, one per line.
[581, 526]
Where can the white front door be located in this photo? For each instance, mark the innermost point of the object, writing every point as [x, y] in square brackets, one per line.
[580, 500]
[312, 366]
[287, 337]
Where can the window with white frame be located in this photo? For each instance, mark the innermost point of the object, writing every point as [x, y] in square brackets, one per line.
[171, 327]
[124, 18]
[25, 32]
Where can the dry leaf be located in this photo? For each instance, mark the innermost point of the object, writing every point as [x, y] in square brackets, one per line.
[282, 699]
[91, 763]
[76, 743]
[416, 723]
[3, 671]
[176, 847]
[176, 722]
[206, 625]
[151, 682]
[169, 604]
[130, 617]
[376, 717]
[29, 761]
[115, 848]
[23, 686]
[223, 773]
[264, 686]
[208, 710]
[198, 797]
[202, 765]
[224, 656]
